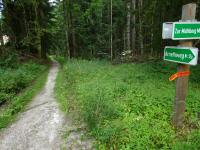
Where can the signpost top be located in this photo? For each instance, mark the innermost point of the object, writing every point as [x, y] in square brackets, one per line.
[188, 28]
[189, 12]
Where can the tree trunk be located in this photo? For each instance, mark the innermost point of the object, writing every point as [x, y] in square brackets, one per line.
[72, 29]
[128, 35]
[2, 41]
[140, 28]
[111, 34]
[152, 36]
[133, 18]
[66, 26]
[124, 39]
[43, 35]
[38, 34]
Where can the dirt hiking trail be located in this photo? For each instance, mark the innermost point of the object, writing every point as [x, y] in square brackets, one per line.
[42, 125]
[39, 127]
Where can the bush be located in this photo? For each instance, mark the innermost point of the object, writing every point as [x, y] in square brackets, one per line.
[14, 79]
[9, 61]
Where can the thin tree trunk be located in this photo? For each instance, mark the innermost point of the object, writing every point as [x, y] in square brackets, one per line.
[140, 28]
[128, 32]
[72, 29]
[152, 36]
[74, 42]
[43, 38]
[111, 34]
[67, 47]
[133, 40]
[2, 41]
[124, 39]
[37, 29]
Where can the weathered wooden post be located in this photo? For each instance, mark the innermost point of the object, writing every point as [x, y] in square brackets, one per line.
[185, 30]
[188, 14]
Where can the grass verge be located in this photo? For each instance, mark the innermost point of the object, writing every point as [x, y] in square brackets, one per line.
[61, 89]
[9, 113]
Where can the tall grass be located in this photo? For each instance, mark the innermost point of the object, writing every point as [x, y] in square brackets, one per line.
[130, 106]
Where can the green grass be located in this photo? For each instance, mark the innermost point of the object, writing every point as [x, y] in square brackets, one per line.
[130, 106]
[18, 84]
[61, 90]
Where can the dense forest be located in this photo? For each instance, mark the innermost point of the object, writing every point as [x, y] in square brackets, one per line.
[87, 29]
[102, 62]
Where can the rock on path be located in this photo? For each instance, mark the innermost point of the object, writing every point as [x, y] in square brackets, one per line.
[40, 126]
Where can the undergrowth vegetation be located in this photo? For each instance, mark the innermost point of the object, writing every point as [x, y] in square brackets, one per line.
[15, 78]
[130, 106]
[61, 90]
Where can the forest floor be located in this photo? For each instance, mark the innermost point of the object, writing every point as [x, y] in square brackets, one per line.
[41, 125]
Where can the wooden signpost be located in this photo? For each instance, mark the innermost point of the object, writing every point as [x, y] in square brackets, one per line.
[184, 31]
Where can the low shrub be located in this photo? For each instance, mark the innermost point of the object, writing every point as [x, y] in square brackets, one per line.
[14, 80]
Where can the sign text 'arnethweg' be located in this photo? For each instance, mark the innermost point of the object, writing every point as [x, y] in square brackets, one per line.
[183, 55]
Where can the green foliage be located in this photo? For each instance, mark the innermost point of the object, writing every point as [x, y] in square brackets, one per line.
[89, 27]
[17, 89]
[83, 28]
[9, 60]
[61, 89]
[130, 106]
[14, 80]
[61, 60]
[26, 23]
[192, 142]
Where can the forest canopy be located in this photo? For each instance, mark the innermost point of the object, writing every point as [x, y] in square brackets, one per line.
[87, 29]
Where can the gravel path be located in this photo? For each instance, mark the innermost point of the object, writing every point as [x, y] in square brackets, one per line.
[40, 126]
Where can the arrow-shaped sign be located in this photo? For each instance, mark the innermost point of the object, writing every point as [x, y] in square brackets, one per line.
[183, 55]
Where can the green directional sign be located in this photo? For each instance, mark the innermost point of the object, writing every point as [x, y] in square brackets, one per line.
[186, 30]
[183, 55]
